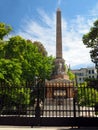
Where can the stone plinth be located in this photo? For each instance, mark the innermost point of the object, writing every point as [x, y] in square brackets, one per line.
[59, 69]
[59, 88]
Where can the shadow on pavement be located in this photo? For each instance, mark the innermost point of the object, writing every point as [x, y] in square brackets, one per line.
[81, 128]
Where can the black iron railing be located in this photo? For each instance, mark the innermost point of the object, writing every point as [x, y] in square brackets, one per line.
[51, 101]
[41, 103]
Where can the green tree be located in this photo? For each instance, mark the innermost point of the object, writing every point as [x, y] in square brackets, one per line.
[16, 48]
[87, 96]
[71, 75]
[33, 62]
[2, 48]
[90, 39]
[10, 71]
[41, 48]
[4, 30]
[21, 61]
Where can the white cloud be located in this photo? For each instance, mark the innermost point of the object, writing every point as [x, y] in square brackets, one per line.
[74, 52]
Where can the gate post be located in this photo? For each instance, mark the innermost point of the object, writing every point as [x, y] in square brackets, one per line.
[74, 106]
[37, 108]
[74, 101]
[96, 108]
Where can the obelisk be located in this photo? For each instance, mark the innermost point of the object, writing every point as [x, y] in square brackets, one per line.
[59, 63]
[59, 76]
[58, 35]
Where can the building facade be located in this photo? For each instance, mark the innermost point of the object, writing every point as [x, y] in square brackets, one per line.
[83, 73]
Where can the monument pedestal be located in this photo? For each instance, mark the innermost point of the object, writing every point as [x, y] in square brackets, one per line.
[59, 69]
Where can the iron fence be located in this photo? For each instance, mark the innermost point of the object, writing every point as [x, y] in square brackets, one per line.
[34, 104]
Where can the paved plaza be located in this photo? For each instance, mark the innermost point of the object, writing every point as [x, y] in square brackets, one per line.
[45, 128]
[66, 109]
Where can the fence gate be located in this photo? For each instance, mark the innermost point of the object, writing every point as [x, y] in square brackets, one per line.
[34, 105]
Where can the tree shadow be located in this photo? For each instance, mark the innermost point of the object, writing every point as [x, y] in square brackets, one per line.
[79, 128]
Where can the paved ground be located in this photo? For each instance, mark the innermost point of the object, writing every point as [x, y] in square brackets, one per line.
[53, 109]
[44, 128]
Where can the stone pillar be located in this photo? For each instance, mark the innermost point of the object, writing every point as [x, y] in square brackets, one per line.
[58, 35]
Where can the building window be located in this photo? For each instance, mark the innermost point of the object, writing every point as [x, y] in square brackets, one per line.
[92, 71]
[89, 71]
[80, 74]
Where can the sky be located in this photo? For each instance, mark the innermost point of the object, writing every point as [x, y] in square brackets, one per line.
[36, 20]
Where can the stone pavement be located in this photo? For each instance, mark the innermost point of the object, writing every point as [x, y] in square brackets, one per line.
[45, 128]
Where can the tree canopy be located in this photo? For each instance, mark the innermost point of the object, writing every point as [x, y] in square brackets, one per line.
[4, 30]
[90, 39]
[41, 48]
[71, 74]
[27, 59]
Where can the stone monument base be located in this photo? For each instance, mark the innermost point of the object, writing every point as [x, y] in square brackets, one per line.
[59, 88]
[60, 76]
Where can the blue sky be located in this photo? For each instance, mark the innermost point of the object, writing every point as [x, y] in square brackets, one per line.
[36, 20]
